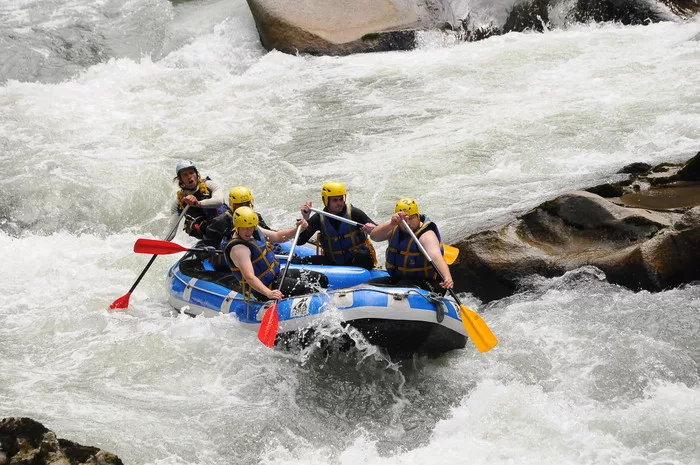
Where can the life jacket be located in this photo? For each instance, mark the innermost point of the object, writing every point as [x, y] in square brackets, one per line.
[197, 218]
[265, 265]
[403, 257]
[228, 233]
[343, 242]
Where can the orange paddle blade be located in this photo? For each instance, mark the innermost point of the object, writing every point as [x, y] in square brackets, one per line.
[269, 326]
[450, 254]
[477, 329]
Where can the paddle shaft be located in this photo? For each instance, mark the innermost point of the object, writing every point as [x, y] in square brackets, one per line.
[427, 257]
[267, 333]
[291, 254]
[477, 329]
[169, 236]
[450, 251]
[336, 217]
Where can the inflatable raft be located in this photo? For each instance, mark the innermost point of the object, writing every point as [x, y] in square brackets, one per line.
[405, 321]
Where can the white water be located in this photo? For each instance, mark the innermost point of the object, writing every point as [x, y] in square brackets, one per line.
[586, 373]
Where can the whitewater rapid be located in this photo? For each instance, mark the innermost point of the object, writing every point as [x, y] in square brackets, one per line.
[585, 372]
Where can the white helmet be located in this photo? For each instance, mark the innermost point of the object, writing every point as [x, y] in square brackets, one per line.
[184, 164]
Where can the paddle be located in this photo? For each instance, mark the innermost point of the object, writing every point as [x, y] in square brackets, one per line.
[270, 322]
[123, 301]
[157, 247]
[477, 329]
[450, 254]
[336, 217]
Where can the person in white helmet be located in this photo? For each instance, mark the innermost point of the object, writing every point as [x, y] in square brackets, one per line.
[204, 197]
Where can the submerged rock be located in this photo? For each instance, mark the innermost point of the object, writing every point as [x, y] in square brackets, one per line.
[643, 233]
[26, 441]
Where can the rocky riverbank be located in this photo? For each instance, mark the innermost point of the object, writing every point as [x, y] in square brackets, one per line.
[24, 441]
[642, 232]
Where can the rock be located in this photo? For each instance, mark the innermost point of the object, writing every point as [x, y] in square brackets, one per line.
[24, 441]
[683, 8]
[628, 12]
[534, 15]
[338, 27]
[635, 168]
[646, 237]
[690, 170]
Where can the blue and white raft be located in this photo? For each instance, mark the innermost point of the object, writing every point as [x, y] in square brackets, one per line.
[405, 321]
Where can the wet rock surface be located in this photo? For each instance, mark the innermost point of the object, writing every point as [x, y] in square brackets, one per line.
[341, 27]
[643, 233]
[24, 441]
[337, 27]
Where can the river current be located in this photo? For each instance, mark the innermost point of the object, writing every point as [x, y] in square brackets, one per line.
[100, 100]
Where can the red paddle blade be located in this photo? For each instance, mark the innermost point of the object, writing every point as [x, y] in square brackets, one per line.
[269, 326]
[156, 247]
[121, 303]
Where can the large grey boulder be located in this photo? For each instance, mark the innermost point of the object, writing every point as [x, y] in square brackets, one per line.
[643, 233]
[338, 27]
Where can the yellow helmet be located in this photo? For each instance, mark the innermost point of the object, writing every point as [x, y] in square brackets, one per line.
[332, 189]
[244, 217]
[408, 205]
[238, 195]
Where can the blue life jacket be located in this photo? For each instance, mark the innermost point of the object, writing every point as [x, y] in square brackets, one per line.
[265, 265]
[343, 242]
[403, 257]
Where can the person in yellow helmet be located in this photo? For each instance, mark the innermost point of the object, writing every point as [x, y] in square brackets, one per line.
[405, 262]
[204, 197]
[220, 229]
[252, 260]
[342, 243]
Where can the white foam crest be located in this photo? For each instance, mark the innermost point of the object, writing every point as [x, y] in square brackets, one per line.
[575, 379]
[232, 47]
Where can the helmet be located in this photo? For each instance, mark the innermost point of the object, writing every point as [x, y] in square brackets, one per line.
[407, 205]
[332, 189]
[184, 164]
[238, 195]
[244, 217]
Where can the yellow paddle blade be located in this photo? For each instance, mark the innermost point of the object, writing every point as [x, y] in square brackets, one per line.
[477, 329]
[450, 254]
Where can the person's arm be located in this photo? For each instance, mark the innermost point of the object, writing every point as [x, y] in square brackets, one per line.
[361, 217]
[217, 196]
[171, 229]
[285, 234]
[215, 232]
[383, 231]
[240, 255]
[431, 244]
[314, 224]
